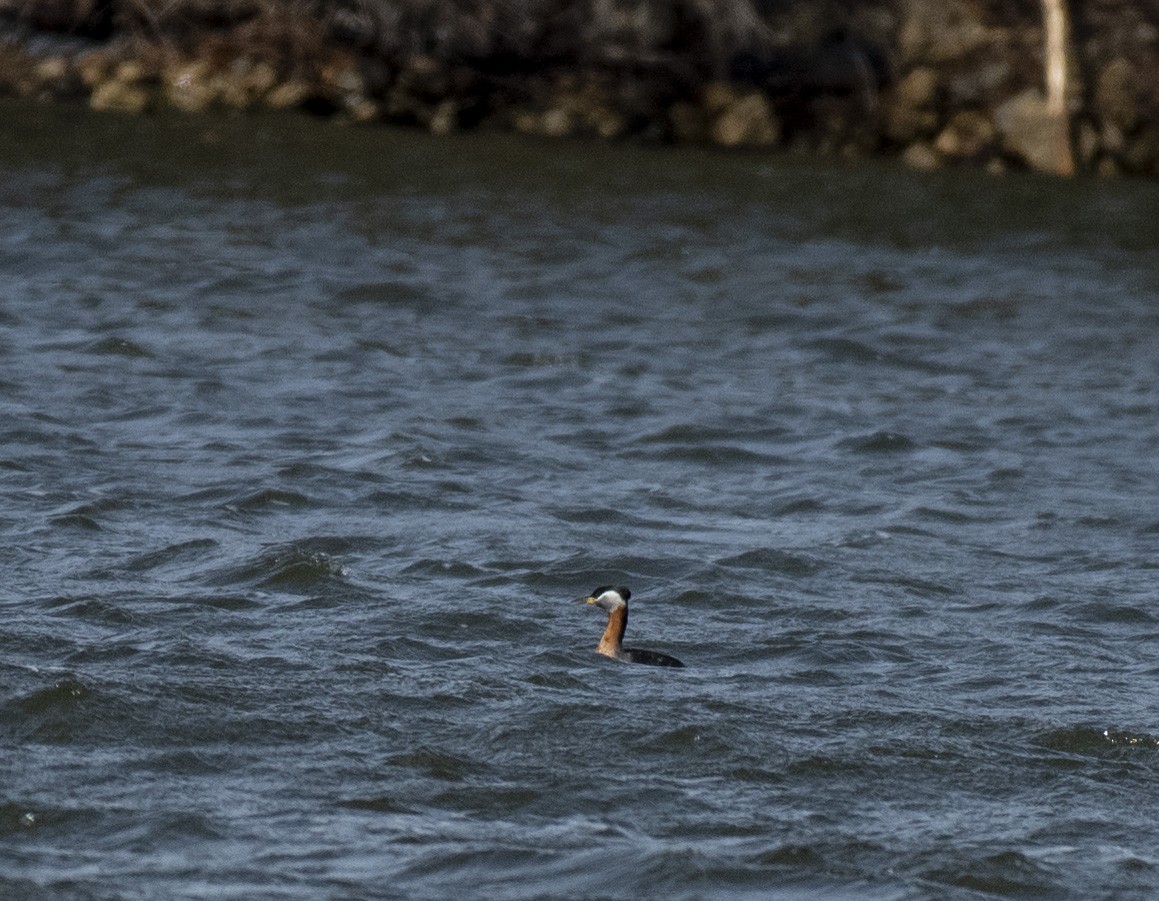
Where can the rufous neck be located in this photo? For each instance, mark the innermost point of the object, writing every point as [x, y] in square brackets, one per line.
[612, 641]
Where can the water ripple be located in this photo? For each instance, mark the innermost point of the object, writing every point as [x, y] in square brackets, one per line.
[307, 456]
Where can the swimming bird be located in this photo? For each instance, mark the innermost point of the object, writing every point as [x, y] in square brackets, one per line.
[615, 602]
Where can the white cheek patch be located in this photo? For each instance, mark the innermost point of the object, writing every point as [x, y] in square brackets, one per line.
[610, 600]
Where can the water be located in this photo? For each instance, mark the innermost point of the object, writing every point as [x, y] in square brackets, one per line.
[311, 436]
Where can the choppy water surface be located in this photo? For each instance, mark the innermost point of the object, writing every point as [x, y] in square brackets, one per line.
[310, 436]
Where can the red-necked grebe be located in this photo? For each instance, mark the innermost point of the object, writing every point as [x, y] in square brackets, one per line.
[615, 602]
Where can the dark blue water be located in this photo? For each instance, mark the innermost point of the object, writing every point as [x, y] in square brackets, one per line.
[309, 437]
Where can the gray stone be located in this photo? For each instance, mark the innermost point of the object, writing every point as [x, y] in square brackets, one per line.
[1035, 135]
[121, 96]
[1116, 95]
[968, 136]
[749, 121]
[912, 106]
[922, 156]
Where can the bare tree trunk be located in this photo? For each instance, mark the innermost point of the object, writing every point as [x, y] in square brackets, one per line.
[1061, 78]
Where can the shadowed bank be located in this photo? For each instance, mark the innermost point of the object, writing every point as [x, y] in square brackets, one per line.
[1057, 85]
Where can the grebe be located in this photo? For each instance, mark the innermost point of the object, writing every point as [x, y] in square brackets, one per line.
[615, 602]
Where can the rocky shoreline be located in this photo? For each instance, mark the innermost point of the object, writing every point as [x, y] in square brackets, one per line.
[956, 83]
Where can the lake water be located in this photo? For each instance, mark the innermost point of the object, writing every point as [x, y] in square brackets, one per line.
[310, 437]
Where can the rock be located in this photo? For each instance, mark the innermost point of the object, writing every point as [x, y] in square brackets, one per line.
[918, 88]
[590, 106]
[608, 123]
[717, 96]
[260, 78]
[921, 156]
[240, 85]
[620, 27]
[1117, 96]
[941, 32]
[1108, 168]
[289, 95]
[119, 96]
[51, 69]
[1087, 143]
[556, 123]
[130, 71]
[342, 77]
[1035, 135]
[445, 118]
[421, 85]
[230, 89]
[187, 87]
[54, 76]
[905, 124]
[93, 68]
[912, 109]
[577, 106]
[749, 121]
[978, 84]
[364, 110]
[343, 84]
[425, 77]
[968, 136]
[525, 121]
[1113, 139]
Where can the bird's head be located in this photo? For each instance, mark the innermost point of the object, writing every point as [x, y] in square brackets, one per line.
[608, 598]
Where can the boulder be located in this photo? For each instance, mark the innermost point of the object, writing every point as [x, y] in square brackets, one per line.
[1112, 138]
[921, 156]
[444, 118]
[557, 122]
[918, 88]
[289, 94]
[52, 69]
[363, 111]
[187, 86]
[969, 136]
[941, 33]
[748, 121]
[1087, 143]
[717, 96]
[130, 71]
[119, 96]
[980, 83]
[1117, 95]
[1032, 133]
[54, 76]
[608, 123]
[1108, 168]
[912, 110]
[342, 82]
[93, 68]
